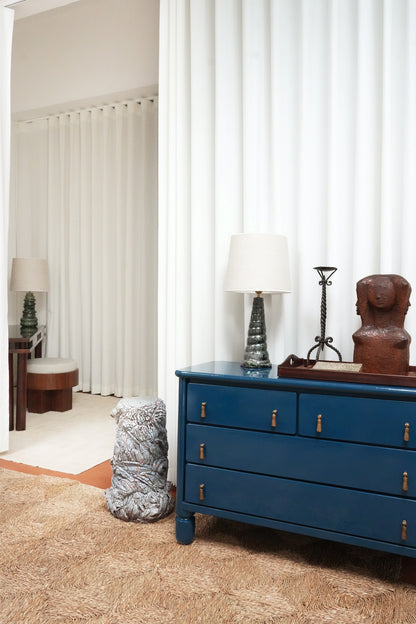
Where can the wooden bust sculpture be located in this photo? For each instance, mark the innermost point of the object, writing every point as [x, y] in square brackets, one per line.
[381, 344]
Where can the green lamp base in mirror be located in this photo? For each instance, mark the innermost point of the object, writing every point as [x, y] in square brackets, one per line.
[29, 321]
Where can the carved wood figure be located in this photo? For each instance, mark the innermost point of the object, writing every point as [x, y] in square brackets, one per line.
[381, 344]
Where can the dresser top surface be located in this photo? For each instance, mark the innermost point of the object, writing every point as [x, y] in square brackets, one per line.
[228, 369]
[223, 372]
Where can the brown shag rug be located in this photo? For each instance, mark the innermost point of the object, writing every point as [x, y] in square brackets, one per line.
[65, 559]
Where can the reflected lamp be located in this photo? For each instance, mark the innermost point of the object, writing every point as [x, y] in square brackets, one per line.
[29, 275]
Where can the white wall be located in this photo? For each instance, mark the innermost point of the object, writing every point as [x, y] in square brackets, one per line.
[84, 52]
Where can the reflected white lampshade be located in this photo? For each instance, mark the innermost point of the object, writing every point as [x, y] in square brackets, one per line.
[258, 263]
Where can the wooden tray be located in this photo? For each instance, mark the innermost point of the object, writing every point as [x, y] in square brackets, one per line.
[295, 367]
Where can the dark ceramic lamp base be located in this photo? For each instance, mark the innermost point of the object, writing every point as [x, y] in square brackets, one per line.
[256, 355]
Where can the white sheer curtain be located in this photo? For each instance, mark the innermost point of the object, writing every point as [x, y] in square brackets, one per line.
[286, 116]
[6, 31]
[86, 198]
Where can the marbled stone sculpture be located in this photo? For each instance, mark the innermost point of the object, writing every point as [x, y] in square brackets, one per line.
[381, 345]
[139, 489]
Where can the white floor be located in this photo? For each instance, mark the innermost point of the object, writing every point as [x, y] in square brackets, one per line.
[71, 441]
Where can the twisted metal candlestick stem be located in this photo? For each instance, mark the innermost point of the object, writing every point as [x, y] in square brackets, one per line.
[322, 340]
[323, 309]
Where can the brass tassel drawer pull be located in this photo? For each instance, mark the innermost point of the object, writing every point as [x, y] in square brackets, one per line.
[201, 492]
[274, 415]
[405, 483]
[202, 451]
[319, 423]
[203, 409]
[406, 432]
[404, 530]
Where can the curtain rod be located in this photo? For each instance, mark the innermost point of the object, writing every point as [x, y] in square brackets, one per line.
[89, 109]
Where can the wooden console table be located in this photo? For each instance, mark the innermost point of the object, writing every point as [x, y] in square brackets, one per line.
[23, 347]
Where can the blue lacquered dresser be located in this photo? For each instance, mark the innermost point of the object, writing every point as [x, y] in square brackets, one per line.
[328, 459]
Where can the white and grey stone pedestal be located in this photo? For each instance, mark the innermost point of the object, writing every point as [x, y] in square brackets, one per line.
[139, 489]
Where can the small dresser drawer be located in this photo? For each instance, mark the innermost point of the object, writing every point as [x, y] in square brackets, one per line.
[358, 466]
[371, 421]
[372, 516]
[244, 408]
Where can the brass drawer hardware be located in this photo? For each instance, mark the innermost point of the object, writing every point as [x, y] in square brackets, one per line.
[203, 409]
[404, 530]
[406, 432]
[319, 423]
[405, 484]
[201, 491]
[202, 451]
[274, 414]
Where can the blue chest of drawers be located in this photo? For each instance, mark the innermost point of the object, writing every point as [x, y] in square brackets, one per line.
[327, 459]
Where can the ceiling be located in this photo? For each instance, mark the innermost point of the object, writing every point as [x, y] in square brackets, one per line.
[25, 8]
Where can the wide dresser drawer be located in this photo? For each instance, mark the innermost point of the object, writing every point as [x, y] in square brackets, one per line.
[372, 516]
[360, 466]
[371, 421]
[245, 408]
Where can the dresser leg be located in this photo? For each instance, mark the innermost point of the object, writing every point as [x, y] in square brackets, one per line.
[185, 529]
[408, 572]
[11, 393]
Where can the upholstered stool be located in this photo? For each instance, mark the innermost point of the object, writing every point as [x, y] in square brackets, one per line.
[49, 384]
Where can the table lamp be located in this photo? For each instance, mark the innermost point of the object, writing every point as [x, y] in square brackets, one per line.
[29, 275]
[258, 263]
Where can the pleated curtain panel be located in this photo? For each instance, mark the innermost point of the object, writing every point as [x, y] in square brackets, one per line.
[85, 198]
[289, 116]
[6, 31]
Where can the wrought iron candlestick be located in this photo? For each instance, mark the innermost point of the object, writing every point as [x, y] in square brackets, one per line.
[325, 273]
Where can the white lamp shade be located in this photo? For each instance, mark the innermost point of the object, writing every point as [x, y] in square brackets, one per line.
[258, 262]
[29, 275]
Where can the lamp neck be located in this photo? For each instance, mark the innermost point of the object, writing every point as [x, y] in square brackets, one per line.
[258, 293]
